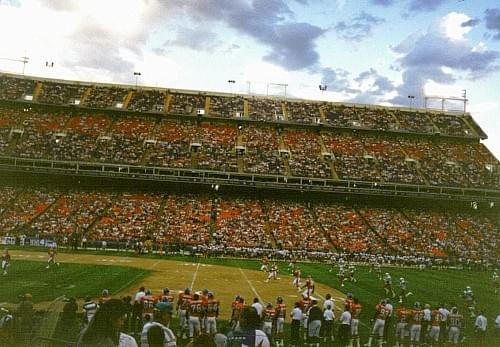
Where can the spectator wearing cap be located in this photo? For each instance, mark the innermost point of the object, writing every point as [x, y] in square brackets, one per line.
[162, 317]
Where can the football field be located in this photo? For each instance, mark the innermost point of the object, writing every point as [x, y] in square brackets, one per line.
[85, 273]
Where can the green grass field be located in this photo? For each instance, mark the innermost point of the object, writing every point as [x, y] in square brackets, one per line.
[428, 286]
[76, 280]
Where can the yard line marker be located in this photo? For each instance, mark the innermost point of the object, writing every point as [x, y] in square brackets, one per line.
[194, 275]
[155, 264]
[250, 284]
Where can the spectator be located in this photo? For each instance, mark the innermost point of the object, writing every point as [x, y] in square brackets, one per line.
[314, 324]
[104, 329]
[345, 327]
[162, 317]
[295, 326]
[249, 335]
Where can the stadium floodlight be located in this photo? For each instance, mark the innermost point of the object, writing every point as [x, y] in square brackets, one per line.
[411, 97]
[231, 82]
[136, 74]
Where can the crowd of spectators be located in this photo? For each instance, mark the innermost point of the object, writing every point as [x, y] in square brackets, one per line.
[147, 100]
[391, 160]
[27, 205]
[262, 151]
[438, 169]
[293, 227]
[186, 103]
[347, 230]
[171, 145]
[226, 106]
[12, 88]
[130, 216]
[259, 108]
[126, 141]
[61, 93]
[306, 159]
[451, 125]
[303, 112]
[413, 121]
[341, 116]
[242, 226]
[218, 147]
[351, 161]
[265, 109]
[379, 119]
[105, 97]
[184, 219]
[241, 223]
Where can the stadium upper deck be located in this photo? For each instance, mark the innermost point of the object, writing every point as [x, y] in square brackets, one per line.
[80, 122]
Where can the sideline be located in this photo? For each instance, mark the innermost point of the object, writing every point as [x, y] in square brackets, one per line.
[250, 285]
[194, 276]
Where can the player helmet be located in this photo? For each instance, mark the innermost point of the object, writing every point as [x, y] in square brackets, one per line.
[402, 279]
[166, 290]
[468, 288]
[187, 291]
[88, 298]
[279, 299]
[349, 295]
[205, 291]
[210, 294]
[269, 305]
[383, 302]
[417, 304]
[105, 292]
[387, 274]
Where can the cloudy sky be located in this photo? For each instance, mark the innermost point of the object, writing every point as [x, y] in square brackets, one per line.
[364, 51]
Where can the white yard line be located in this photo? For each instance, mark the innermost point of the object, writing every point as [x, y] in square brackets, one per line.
[250, 285]
[155, 264]
[194, 276]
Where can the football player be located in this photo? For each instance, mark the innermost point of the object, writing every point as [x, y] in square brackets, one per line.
[352, 269]
[280, 321]
[388, 284]
[402, 316]
[195, 312]
[182, 310]
[296, 278]
[355, 309]
[470, 302]
[495, 280]
[268, 317]
[166, 296]
[309, 287]
[273, 274]
[455, 322]
[212, 312]
[5, 261]
[148, 302]
[417, 315]
[436, 319]
[264, 264]
[341, 276]
[379, 324]
[403, 290]
[52, 257]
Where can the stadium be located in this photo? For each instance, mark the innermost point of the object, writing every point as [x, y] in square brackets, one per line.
[133, 185]
[249, 173]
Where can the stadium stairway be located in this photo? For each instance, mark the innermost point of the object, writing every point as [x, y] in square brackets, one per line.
[127, 98]
[284, 111]
[86, 95]
[327, 236]
[38, 89]
[245, 109]
[167, 101]
[367, 223]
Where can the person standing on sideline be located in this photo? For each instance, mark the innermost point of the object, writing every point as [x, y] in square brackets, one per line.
[314, 324]
[345, 327]
[295, 326]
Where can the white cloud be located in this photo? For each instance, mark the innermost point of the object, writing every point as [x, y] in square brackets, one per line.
[451, 26]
